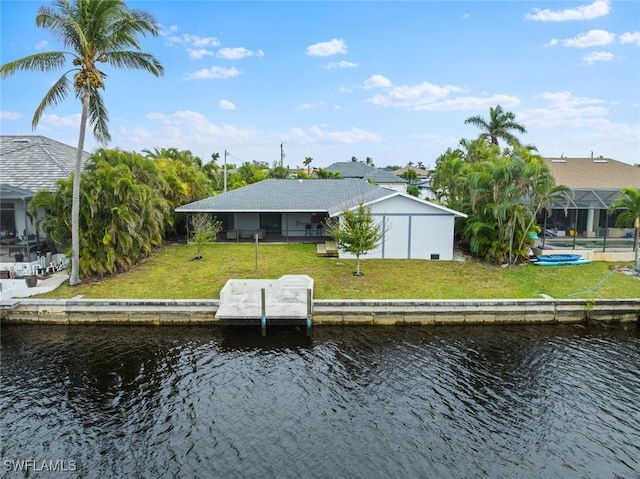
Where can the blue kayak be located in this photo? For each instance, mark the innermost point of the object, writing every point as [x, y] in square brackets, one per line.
[558, 258]
[561, 263]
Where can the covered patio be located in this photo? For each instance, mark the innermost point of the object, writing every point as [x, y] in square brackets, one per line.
[585, 221]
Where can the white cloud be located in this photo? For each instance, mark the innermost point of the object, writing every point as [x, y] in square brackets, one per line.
[311, 106]
[471, 103]
[326, 49]
[592, 38]
[630, 37]
[226, 105]
[565, 99]
[348, 137]
[9, 115]
[236, 53]
[55, 121]
[415, 97]
[566, 110]
[198, 41]
[596, 9]
[192, 128]
[196, 54]
[213, 73]
[377, 81]
[340, 64]
[195, 45]
[41, 45]
[594, 57]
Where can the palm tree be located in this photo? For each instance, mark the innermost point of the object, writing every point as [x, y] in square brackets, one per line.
[499, 125]
[629, 201]
[307, 163]
[369, 161]
[92, 32]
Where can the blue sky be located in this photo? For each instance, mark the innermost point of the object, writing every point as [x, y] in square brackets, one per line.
[393, 81]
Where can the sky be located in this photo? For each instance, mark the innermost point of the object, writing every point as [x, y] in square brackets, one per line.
[392, 81]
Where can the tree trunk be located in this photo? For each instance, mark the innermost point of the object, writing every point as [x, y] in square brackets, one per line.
[74, 280]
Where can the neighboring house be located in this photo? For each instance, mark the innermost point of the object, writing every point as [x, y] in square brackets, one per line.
[28, 163]
[423, 182]
[381, 177]
[595, 183]
[282, 209]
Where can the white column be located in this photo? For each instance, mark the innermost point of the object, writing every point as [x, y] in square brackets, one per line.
[590, 216]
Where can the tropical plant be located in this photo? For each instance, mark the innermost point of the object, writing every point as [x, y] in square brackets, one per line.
[279, 172]
[252, 172]
[92, 32]
[122, 215]
[413, 190]
[205, 230]
[410, 175]
[369, 161]
[307, 162]
[326, 174]
[356, 232]
[501, 192]
[499, 125]
[629, 202]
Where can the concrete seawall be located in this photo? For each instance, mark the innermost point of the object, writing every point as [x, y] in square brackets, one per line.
[326, 312]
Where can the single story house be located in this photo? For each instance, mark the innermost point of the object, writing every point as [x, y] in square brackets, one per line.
[28, 163]
[359, 170]
[595, 183]
[297, 209]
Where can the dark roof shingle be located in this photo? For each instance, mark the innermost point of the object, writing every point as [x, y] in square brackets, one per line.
[33, 162]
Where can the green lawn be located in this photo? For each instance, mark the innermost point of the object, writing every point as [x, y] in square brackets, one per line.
[170, 274]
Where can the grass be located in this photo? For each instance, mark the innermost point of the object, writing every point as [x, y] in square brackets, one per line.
[170, 274]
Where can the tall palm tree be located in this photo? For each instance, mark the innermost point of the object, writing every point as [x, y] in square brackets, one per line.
[92, 32]
[307, 162]
[629, 201]
[499, 125]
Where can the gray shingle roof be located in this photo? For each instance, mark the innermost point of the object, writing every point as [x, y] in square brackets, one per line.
[33, 163]
[331, 196]
[357, 169]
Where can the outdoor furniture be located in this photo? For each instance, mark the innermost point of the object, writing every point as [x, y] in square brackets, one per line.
[319, 229]
[307, 230]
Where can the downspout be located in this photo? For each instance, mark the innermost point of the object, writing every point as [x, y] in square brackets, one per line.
[26, 229]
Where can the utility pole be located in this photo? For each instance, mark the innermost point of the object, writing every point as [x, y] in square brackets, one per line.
[225, 171]
[281, 155]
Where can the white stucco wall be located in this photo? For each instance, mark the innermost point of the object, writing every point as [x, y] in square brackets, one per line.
[414, 230]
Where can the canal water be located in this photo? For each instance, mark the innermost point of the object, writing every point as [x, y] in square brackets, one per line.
[360, 402]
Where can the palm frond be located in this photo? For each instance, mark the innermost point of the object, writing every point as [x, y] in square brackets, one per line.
[137, 60]
[57, 93]
[46, 61]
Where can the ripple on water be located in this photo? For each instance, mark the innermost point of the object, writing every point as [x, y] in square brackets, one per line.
[350, 402]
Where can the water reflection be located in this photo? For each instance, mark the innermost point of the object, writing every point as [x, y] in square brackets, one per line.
[347, 402]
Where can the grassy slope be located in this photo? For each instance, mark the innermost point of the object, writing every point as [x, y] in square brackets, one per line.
[170, 274]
